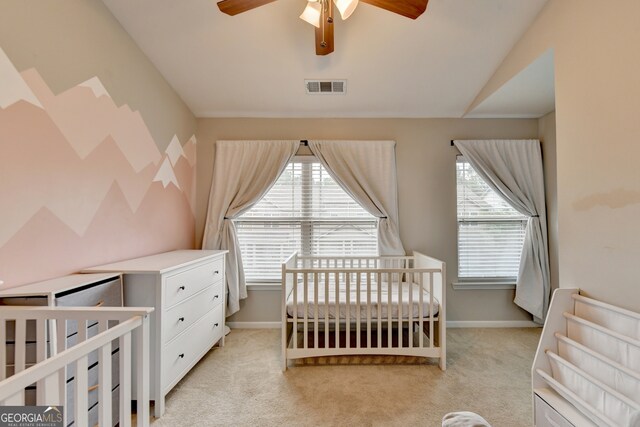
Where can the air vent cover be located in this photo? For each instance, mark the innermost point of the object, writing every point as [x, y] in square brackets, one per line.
[325, 87]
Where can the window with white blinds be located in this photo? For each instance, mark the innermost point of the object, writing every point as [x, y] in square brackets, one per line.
[490, 232]
[305, 211]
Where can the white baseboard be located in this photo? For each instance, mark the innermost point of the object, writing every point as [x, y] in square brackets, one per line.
[254, 325]
[450, 324]
[492, 324]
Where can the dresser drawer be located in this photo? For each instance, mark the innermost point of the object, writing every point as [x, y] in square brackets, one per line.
[92, 381]
[546, 416]
[179, 354]
[181, 316]
[181, 286]
[115, 411]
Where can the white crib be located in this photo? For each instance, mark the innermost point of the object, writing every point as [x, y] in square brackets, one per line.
[363, 306]
[52, 360]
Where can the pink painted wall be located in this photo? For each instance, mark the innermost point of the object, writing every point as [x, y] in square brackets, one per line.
[82, 181]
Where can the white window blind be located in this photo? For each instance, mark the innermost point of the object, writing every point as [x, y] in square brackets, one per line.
[490, 232]
[307, 211]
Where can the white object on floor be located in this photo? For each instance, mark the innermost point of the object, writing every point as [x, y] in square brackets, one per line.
[56, 356]
[464, 419]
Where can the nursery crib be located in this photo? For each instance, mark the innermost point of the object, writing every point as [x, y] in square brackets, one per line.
[363, 306]
[36, 366]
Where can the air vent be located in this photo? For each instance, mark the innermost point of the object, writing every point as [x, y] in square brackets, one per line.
[326, 87]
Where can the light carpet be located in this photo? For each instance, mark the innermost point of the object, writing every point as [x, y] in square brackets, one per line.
[242, 384]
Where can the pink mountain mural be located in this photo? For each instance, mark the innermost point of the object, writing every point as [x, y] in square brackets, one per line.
[82, 181]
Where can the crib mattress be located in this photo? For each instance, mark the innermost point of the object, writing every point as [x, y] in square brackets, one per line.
[335, 304]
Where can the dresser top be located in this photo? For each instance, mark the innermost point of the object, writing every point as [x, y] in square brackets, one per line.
[160, 263]
[57, 285]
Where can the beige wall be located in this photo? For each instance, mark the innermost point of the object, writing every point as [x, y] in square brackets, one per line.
[71, 41]
[426, 184]
[597, 104]
[547, 136]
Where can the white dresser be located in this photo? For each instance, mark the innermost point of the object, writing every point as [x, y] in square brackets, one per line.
[187, 290]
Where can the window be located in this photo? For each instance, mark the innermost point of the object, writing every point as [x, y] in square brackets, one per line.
[490, 232]
[305, 211]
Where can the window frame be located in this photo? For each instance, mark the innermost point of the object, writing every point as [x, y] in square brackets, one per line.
[481, 282]
[306, 222]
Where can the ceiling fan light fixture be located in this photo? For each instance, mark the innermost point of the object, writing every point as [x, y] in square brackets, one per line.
[346, 7]
[311, 13]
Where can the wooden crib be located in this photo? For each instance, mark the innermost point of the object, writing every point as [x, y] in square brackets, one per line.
[363, 306]
[36, 366]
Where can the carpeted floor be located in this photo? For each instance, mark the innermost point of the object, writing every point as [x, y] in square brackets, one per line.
[242, 384]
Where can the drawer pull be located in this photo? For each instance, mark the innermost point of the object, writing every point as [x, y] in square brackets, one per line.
[216, 296]
[181, 319]
[215, 273]
[181, 355]
[215, 325]
[93, 387]
[181, 288]
[99, 304]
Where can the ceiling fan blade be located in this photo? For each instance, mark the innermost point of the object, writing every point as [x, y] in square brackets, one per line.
[409, 8]
[234, 7]
[324, 34]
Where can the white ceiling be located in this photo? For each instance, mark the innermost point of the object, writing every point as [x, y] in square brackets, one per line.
[254, 64]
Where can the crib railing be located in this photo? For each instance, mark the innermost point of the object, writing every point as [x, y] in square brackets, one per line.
[375, 315]
[49, 373]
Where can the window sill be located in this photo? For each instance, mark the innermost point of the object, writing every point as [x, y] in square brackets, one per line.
[483, 285]
[264, 286]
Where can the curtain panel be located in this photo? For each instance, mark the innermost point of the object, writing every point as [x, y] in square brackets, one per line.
[243, 173]
[513, 169]
[366, 170]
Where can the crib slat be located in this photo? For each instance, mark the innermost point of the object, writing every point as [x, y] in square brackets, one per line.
[15, 400]
[358, 314]
[125, 380]
[295, 310]
[379, 314]
[81, 383]
[326, 310]
[337, 308]
[3, 349]
[400, 311]
[104, 379]
[51, 390]
[389, 319]
[306, 309]
[368, 307]
[142, 375]
[410, 279]
[348, 309]
[60, 345]
[315, 310]
[431, 331]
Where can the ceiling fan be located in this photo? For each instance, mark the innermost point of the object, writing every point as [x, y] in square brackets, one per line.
[319, 13]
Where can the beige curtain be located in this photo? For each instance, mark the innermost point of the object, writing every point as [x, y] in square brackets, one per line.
[513, 169]
[366, 170]
[243, 172]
